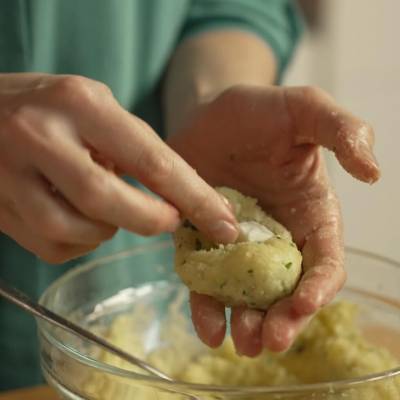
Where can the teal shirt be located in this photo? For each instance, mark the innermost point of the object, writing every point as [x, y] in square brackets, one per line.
[125, 44]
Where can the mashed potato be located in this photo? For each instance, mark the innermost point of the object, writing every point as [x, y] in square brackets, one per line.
[331, 348]
[262, 267]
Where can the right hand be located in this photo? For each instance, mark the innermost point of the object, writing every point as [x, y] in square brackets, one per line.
[63, 140]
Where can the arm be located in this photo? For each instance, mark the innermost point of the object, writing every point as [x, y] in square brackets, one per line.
[205, 65]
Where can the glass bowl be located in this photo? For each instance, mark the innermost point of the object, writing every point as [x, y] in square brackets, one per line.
[141, 282]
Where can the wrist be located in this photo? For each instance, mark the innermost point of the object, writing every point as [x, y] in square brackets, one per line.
[206, 65]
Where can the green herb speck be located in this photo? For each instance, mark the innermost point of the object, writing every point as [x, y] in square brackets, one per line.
[288, 265]
[222, 285]
[250, 271]
[244, 293]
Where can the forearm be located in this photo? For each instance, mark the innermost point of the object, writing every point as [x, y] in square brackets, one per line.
[205, 65]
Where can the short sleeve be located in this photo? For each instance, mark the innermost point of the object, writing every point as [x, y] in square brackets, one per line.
[278, 22]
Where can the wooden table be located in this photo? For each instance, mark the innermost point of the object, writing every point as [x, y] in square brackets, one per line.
[37, 393]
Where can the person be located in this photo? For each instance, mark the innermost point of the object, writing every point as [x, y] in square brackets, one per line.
[180, 96]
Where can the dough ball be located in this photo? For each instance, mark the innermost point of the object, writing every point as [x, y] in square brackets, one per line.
[263, 266]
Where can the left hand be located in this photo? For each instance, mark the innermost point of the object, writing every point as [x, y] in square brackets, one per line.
[265, 142]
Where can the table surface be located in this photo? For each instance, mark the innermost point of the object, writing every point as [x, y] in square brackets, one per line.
[37, 393]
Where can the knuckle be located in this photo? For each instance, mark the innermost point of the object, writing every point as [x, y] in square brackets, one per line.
[101, 88]
[157, 166]
[73, 84]
[77, 90]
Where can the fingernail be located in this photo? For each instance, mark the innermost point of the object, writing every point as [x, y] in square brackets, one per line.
[373, 172]
[367, 152]
[224, 232]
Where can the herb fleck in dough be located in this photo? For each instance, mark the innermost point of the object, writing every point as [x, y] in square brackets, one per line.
[263, 266]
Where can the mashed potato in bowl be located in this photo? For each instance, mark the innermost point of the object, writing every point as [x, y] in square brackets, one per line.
[331, 348]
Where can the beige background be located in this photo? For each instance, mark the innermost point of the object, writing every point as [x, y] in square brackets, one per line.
[355, 55]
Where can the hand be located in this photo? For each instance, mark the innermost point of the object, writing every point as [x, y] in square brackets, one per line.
[63, 140]
[264, 141]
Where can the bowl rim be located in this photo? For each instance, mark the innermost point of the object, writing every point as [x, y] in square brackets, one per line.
[180, 386]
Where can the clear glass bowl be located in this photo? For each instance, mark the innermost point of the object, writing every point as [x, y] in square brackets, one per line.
[98, 292]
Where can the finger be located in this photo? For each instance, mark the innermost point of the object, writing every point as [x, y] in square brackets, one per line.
[323, 277]
[48, 251]
[319, 120]
[103, 196]
[323, 262]
[282, 325]
[47, 212]
[318, 287]
[246, 328]
[137, 150]
[97, 193]
[208, 316]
